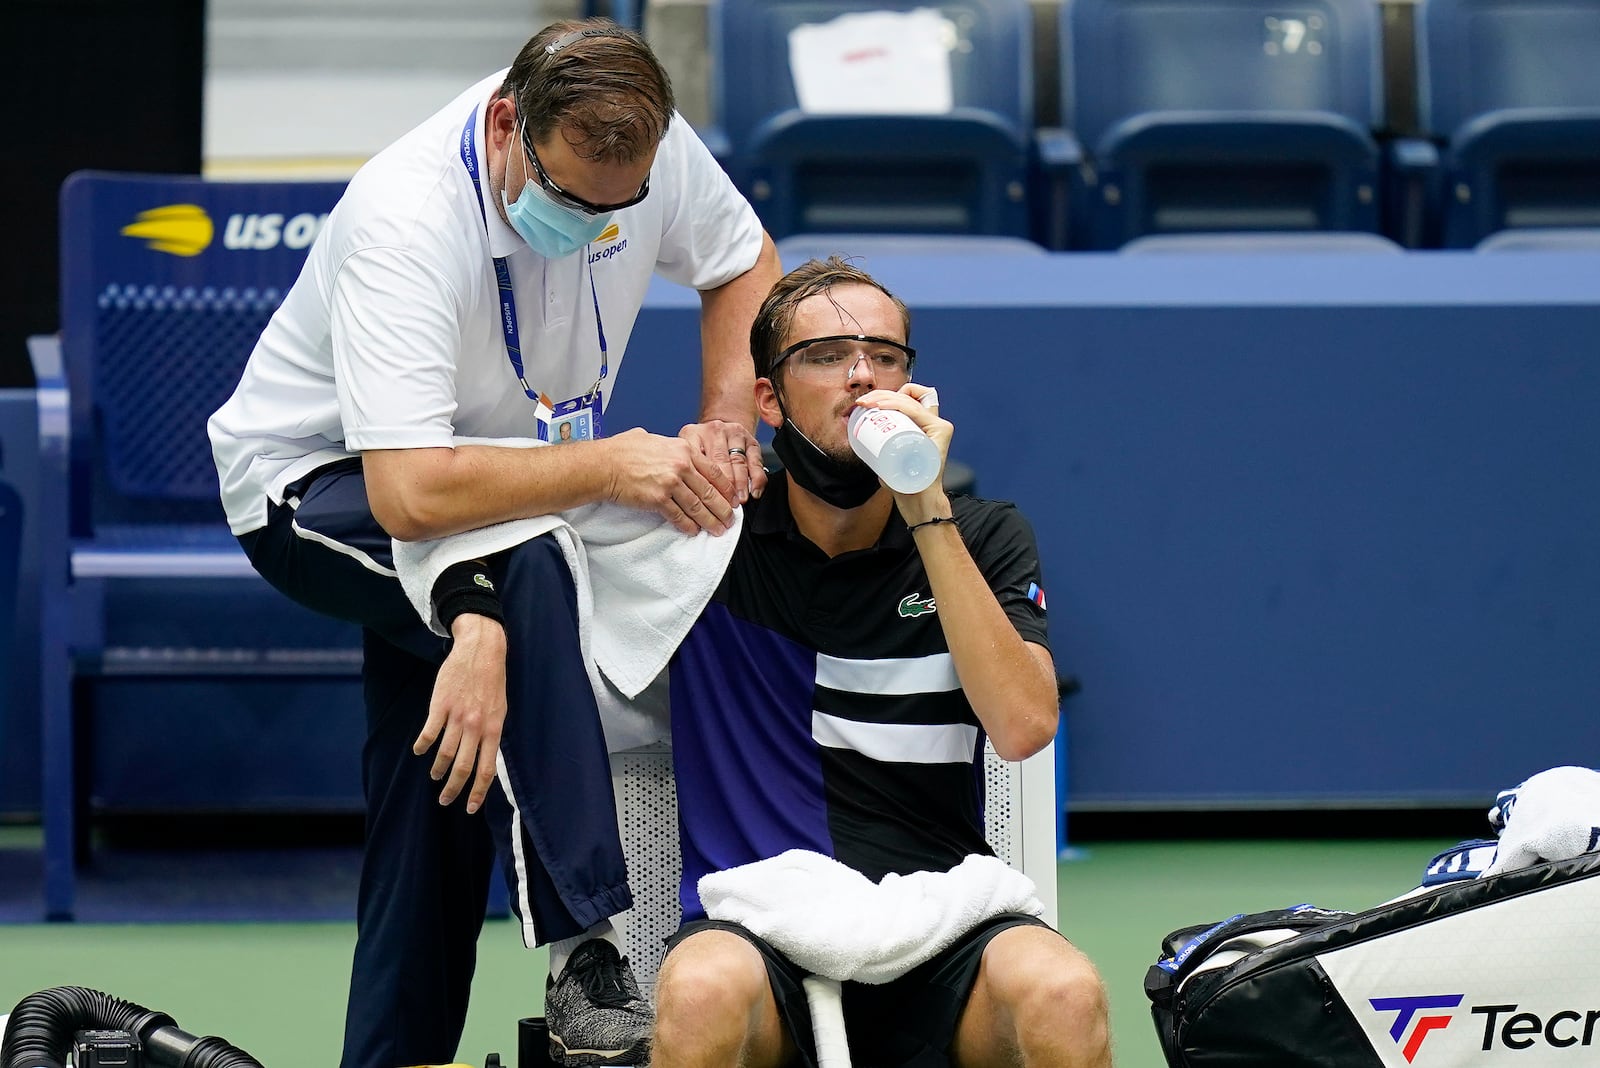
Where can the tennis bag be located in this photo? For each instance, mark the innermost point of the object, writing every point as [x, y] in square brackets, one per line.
[1470, 974]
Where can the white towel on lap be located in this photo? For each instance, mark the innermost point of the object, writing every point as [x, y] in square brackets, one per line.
[835, 922]
[640, 582]
[1554, 815]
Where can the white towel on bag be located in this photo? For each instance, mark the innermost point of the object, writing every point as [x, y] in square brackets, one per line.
[835, 922]
[1554, 815]
[641, 584]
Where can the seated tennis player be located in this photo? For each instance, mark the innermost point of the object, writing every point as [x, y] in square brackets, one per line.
[834, 697]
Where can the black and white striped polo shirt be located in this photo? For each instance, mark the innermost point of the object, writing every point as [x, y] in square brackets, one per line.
[815, 704]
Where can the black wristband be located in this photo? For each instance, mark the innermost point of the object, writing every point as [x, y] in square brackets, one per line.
[930, 522]
[463, 588]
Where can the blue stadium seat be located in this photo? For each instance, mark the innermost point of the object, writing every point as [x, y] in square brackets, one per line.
[1319, 242]
[1233, 115]
[1541, 239]
[798, 248]
[166, 283]
[963, 171]
[1511, 88]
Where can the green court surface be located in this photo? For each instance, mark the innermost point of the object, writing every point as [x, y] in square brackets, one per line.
[278, 990]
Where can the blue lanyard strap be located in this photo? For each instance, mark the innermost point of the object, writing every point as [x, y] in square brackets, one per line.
[599, 327]
[502, 274]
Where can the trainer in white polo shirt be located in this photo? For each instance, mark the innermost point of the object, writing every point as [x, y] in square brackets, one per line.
[480, 279]
[393, 337]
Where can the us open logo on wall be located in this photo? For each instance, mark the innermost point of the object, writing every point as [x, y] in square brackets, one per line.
[178, 229]
[187, 230]
[261, 231]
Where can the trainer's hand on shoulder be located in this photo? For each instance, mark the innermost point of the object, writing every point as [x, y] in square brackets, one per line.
[672, 477]
[468, 710]
[733, 449]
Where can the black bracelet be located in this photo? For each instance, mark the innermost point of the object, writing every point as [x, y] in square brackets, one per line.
[463, 588]
[930, 522]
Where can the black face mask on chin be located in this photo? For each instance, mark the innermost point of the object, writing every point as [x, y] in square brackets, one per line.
[841, 483]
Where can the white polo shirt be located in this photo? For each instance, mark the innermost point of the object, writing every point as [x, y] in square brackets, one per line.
[391, 337]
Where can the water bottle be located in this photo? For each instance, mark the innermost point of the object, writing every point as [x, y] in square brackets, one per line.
[895, 448]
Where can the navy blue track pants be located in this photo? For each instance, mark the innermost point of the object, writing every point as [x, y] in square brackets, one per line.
[426, 868]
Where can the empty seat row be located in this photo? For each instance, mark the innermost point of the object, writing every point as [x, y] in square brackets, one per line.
[1178, 116]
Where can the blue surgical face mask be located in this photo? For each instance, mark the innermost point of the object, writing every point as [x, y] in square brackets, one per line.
[552, 230]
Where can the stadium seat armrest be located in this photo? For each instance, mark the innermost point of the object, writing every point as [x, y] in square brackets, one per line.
[55, 422]
[1058, 149]
[57, 797]
[1060, 161]
[44, 353]
[1412, 197]
[1411, 155]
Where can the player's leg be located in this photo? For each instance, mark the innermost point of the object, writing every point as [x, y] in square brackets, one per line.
[718, 1004]
[1036, 1000]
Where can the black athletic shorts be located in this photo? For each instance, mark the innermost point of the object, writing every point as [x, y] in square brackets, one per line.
[909, 1022]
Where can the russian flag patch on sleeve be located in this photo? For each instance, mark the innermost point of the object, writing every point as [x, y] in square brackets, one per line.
[1036, 594]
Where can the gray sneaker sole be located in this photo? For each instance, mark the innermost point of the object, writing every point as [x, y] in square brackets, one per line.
[636, 1054]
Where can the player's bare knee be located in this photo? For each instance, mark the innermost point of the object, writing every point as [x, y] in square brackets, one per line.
[1074, 981]
[1044, 981]
[1069, 997]
[714, 974]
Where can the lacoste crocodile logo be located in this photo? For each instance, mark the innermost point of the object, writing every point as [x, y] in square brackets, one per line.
[911, 607]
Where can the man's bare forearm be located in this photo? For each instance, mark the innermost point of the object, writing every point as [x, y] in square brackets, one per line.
[417, 494]
[727, 381]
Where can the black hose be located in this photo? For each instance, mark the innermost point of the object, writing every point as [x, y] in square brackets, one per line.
[41, 1028]
[213, 1052]
[39, 1032]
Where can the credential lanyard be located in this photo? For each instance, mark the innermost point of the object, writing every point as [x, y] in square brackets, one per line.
[502, 274]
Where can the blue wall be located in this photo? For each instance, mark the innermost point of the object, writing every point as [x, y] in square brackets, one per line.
[1315, 529]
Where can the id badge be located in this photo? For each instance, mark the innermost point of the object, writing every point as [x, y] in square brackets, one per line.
[577, 419]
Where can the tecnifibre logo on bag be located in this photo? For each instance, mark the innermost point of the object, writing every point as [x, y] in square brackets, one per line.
[1507, 982]
[1409, 1028]
[1505, 1029]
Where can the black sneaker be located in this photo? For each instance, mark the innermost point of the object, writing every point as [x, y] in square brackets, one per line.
[595, 1012]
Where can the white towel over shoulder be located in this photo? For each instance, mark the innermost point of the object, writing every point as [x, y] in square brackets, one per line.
[835, 922]
[640, 582]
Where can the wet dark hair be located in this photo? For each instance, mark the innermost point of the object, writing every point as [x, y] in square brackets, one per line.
[777, 312]
[597, 81]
